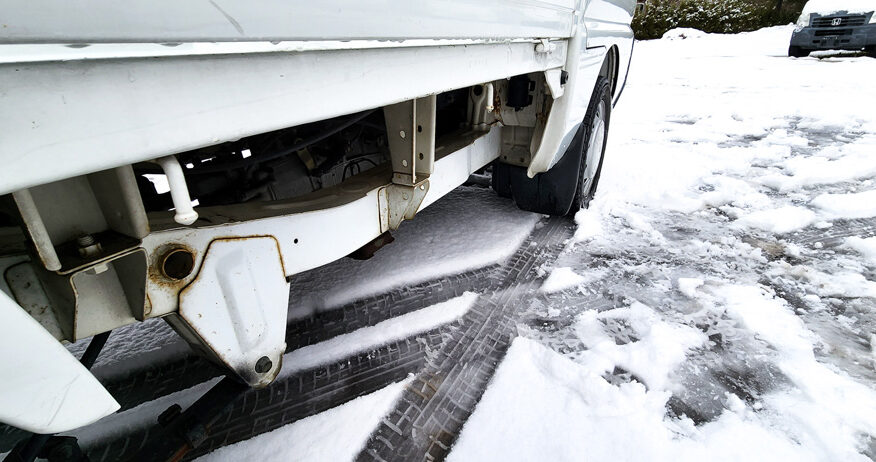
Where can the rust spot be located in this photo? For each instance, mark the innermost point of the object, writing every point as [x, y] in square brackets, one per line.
[147, 307]
[156, 273]
[368, 250]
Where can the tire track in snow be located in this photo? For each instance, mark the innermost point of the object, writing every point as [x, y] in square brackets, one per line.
[161, 379]
[308, 392]
[432, 410]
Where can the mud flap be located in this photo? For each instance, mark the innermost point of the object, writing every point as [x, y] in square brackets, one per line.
[551, 192]
[44, 388]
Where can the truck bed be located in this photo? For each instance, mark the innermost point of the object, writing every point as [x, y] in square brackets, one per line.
[87, 89]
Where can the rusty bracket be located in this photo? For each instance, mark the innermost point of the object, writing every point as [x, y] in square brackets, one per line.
[399, 203]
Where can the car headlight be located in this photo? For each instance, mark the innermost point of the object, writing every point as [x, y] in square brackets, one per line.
[802, 21]
[873, 17]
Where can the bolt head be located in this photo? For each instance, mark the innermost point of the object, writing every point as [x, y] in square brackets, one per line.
[263, 365]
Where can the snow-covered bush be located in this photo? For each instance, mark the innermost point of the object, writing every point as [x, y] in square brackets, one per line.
[683, 33]
[714, 16]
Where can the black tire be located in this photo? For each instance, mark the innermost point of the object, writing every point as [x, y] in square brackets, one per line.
[798, 52]
[500, 179]
[596, 123]
[558, 191]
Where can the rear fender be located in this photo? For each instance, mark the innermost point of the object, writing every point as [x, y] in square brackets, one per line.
[567, 112]
[602, 26]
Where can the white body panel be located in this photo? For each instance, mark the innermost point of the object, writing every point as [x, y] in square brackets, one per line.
[174, 21]
[605, 25]
[44, 389]
[63, 119]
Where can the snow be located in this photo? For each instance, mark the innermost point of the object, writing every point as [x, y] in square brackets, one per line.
[134, 346]
[849, 162]
[588, 225]
[866, 247]
[825, 7]
[852, 205]
[842, 283]
[562, 279]
[554, 400]
[688, 286]
[781, 220]
[681, 33]
[334, 435]
[325, 352]
[554, 396]
[829, 411]
[563, 412]
[469, 228]
[369, 338]
[660, 346]
[142, 416]
[708, 329]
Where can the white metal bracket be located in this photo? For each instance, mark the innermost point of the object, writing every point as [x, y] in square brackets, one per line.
[410, 126]
[399, 203]
[235, 309]
[554, 80]
[545, 46]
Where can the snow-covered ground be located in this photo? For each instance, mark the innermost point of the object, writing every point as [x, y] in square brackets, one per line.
[703, 316]
[334, 435]
[464, 230]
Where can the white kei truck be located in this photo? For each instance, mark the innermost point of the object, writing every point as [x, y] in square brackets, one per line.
[181, 160]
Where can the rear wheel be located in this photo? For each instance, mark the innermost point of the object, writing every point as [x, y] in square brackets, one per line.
[798, 52]
[596, 121]
[571, 183]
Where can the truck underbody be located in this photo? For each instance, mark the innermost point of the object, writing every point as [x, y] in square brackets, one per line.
[187, 173]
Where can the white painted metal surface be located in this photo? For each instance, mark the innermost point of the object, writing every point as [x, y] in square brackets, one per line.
[36, 228]
[53, 113]
[174, 21]
[184, 213]
[604, 24]
[44, 389]
[566, 113]
[608, 25]
[317, 231]
[237, 305]
[48, 52]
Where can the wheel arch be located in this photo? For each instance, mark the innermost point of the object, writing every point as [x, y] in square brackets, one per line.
[611, 69]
